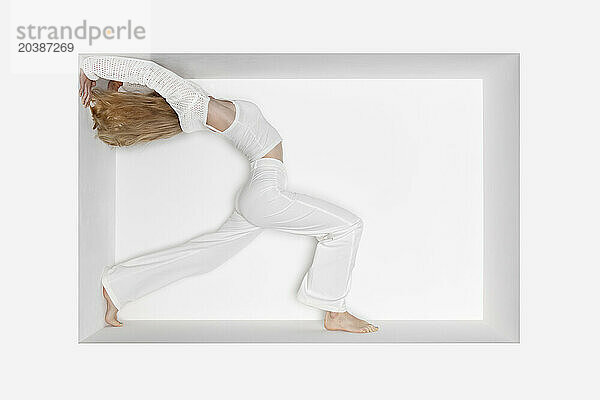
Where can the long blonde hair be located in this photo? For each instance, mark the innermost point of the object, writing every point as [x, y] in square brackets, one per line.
[123, 119]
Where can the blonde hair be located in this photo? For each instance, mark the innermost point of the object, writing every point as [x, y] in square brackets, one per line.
[123, 119]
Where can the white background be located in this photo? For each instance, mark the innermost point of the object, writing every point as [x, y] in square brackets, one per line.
[408, 163]
[559, 220]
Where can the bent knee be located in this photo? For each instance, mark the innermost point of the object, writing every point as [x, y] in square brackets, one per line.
[352, 227]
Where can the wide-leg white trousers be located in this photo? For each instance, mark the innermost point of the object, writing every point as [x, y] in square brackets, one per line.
[262, 203]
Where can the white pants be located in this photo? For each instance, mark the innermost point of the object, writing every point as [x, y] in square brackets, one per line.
[262, 203]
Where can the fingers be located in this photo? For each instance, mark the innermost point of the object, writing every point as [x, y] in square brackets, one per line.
[83, 94]
[81, 81]
[85, 89]
[86, 93]
[82, 90]
[88, 96]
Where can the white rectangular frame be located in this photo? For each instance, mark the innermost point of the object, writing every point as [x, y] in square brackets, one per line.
[500, 74]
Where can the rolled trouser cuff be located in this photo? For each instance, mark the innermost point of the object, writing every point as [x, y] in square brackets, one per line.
[322, 304]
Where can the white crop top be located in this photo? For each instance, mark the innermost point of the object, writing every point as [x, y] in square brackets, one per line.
[250, 132]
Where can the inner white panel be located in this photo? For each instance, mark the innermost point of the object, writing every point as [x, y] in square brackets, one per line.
[405, 155]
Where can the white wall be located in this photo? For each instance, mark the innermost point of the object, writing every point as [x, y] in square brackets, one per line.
[96, 231]
[405, 155]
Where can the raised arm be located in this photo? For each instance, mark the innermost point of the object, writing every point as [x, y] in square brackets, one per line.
[189, 101]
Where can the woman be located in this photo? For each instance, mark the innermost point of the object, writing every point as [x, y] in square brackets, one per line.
[176, 105]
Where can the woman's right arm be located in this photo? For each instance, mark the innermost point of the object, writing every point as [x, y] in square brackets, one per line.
[142, 72]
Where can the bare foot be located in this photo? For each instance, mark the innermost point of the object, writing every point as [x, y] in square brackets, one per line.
[347, 322]
[111, 311]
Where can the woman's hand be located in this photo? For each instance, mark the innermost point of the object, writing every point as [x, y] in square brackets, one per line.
[85, 88]
[114, 86]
